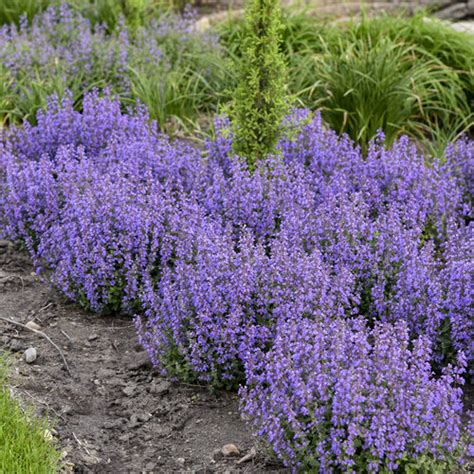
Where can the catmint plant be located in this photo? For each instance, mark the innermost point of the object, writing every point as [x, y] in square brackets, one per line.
[336, 396]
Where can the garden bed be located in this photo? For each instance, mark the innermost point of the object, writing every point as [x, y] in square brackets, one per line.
[315, 264]
[114, 414]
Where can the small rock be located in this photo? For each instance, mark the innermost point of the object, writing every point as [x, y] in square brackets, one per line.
[203, 24]
[181, 461]
[93, 337]
[30, 355]
[160, 388]
[453, 12]
[33, 325]
[230, 450]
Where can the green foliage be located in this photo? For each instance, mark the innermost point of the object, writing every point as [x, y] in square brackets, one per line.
[426, 464]
[176, 367]
[135, 12]
[12, 10]
[190, 84]
[260, 105]
[7, 97]
[109, 12]
[453, 48]
[406, 75]
[388, 86]
[24, 446]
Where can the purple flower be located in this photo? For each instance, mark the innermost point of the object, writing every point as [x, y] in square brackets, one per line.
[333, 395]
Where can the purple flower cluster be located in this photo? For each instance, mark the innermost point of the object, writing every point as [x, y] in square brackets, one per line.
[335, 396]
[61, 50]
[323, 261]
[61, 43]
[319, 226]
[89, 193]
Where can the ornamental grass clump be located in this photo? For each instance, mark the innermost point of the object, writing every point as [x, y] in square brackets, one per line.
[336, 396]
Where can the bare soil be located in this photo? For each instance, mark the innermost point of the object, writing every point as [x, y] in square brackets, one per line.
[115, 414]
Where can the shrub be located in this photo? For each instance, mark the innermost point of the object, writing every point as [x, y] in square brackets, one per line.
[260, 104]
[336, 396]
[220, 300]
[74, 183]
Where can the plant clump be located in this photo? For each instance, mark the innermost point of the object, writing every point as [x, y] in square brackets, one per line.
[338, 396]
[219, 264]
[260, 100]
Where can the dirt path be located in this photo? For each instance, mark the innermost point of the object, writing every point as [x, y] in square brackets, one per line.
[115, 414]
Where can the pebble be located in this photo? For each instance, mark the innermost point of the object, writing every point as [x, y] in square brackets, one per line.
[30, 355]
[93, 337]
[33, 325]
[181, 461]
[230, 450]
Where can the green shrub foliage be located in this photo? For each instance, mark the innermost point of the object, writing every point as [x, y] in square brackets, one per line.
[260, 103]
